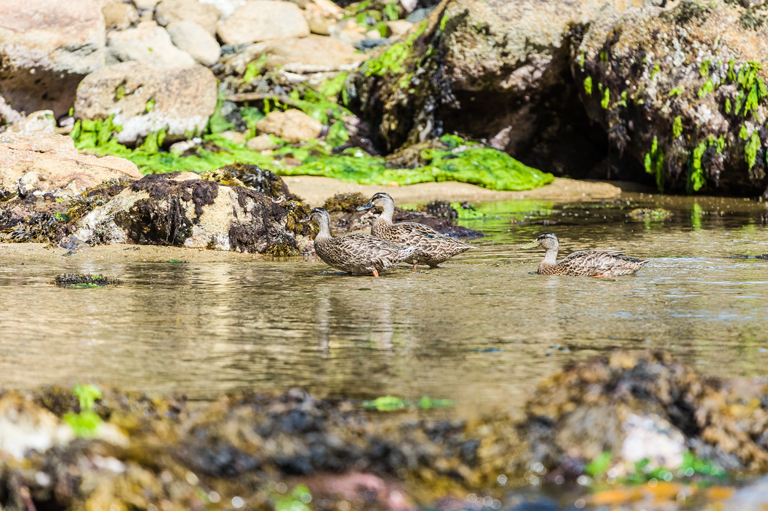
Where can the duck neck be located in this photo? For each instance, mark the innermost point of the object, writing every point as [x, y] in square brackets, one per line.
[550, 258]
[324, 223]
[388, 212]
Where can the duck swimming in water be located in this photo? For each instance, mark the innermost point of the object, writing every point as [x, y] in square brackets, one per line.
[355, 253]
[586, 263]
[434, 248]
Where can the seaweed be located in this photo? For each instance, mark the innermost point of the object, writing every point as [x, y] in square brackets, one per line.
[697, 173]
[654, 164]
[84, 280]
[588, 85]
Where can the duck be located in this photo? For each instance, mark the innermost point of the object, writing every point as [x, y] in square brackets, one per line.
[355, 253]
[585, 263]
[434, 248]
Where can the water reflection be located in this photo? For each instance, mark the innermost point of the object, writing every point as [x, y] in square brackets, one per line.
[481, 330]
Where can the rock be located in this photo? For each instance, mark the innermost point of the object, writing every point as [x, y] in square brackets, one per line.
[261, 20]
[319, 26]
[195, 40]
[146, 4]
[204, 14]
[195, 213]
[40, 163]
[25, 426]
[149, 99]
[496, 70]
[225, 7]
[46, 48]
[682, 92]
[233, 136]
[148, 44]
[119, 15]
[261, 143]
[292, 125]
[399, 28]
[36, 122]
[311, 54]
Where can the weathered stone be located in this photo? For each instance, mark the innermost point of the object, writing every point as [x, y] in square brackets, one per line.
[292, 125]
[195, 40]
[225, 7]
[40, 163]
[399, 27]
[46, 47]
[119, 15]
[146, 4]
[260, 143]
[36, 122]
[148, 44]
[195, 213]
[496, 70]
[682, 92]
[149, 99]
[204, 14]
[261, 20]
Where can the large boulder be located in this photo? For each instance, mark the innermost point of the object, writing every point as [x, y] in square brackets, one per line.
[148, 44]
[495, 70]
[260, 20]
[292, 125]
[41, 163]
[46, 48]
[195, 40]
[182, 209]
[204, 14]
[683, 91]
[146, 99]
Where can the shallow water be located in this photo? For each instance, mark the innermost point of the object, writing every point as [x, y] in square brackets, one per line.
[481, 330]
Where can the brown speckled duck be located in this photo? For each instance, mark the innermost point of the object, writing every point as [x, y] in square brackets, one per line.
[586, 263]
[434, 248]
[355, 253]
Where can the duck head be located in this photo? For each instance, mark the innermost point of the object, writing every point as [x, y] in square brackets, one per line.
[380, 199]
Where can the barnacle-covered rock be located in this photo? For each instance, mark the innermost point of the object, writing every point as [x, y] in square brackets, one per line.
[683, 91]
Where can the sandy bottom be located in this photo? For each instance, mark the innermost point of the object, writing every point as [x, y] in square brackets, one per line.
[316, 189]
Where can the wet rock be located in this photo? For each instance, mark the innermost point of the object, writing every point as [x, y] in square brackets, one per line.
[649, 214]
[292, 125]
[149, 99]
[202, 13]
[25, 427]
[251, 176]
[36, 122]
[441, 209]
[195, 40]
[148, 44]
[441, 225]
[40, 163]
[260, 20]
[493, 70]
[84, 280]
[195, 213]
[46, 48]
[682, 91]
[119, 15]
[345, 202]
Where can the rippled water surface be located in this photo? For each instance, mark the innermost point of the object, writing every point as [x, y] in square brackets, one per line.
[481, 330]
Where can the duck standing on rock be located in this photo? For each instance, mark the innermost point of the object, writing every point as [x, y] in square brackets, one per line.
[434, 248]
[586, 263]
[355, 253]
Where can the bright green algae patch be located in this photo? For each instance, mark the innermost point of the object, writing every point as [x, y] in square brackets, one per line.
[475, 164]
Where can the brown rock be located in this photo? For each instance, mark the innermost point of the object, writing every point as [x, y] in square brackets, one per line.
[312, 54]
[149, 99]
[46, 47]
[260, 143]
[38, 163]
[119, 15]
[36, 122]
[292, 125]
[205, 15]
[261, 20]
[149, 44]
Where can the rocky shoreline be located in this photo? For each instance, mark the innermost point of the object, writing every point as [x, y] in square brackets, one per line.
[669, 94]
[638, 419]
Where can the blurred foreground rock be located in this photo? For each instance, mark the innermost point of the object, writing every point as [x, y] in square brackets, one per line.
[251, 450]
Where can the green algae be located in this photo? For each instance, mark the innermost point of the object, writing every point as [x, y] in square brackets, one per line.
[393, 404]
[588, 85]
[393, 59]
[644, 471]
[606, 98]
[85, 423]
[751, 148]
[677, 127]
[698, 180]
[654, 164]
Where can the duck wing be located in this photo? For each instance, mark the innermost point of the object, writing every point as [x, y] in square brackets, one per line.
[364, 247]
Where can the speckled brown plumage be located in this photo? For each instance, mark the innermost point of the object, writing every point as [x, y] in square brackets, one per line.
[356, 253]
[586, 263]
[433, 247]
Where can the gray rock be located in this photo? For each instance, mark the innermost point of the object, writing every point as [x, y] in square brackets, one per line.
[195, 40]
[46, 47]
[149, 44]
[36, 122]
[204, 14]
[261, 20]
[148, 99]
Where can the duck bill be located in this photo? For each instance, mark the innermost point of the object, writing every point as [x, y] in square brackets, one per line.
[530, 245]
[366, 207]
[305, 220]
